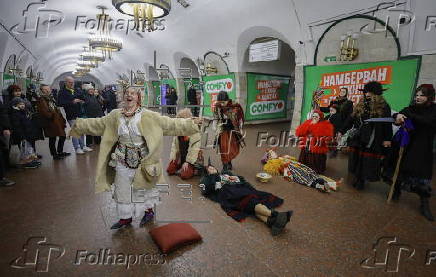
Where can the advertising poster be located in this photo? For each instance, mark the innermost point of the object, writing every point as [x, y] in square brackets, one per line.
[266, 96]
[399, 77]
[156, 90]
[165, 85]
[212, 86]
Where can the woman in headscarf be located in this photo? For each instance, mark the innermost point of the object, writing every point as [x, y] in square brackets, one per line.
[129, 157]
[417, 161]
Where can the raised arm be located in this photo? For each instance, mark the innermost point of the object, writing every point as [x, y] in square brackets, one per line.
[428, 119]
[177, 126]
[91, 126]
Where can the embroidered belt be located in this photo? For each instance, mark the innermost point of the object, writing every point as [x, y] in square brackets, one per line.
[130, 155]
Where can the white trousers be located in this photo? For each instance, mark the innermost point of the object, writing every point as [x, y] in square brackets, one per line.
[129, 201]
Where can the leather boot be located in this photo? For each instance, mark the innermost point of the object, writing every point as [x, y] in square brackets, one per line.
[280, 223]
[425, 208]
[397, 192]
[148, 216]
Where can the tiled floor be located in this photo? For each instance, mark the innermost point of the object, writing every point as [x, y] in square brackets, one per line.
[329, 234]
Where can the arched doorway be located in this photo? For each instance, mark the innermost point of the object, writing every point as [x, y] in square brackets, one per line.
[269, 64]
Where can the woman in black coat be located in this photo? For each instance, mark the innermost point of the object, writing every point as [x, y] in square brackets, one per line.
[369, 146]
[417, 161]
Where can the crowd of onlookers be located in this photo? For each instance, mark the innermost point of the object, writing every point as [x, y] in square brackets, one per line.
[37, 114]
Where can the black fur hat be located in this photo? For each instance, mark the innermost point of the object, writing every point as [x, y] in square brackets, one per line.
[374, 87]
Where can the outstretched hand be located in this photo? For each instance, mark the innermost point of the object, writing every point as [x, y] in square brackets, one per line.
[198, 120]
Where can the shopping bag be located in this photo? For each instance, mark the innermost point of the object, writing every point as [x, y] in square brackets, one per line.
[14, 155]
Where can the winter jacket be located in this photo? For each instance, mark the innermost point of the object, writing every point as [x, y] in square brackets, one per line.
[65, 100]
[93, 107]
[319, 135]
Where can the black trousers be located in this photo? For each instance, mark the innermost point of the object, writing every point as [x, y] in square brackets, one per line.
[52, 145]
[2, 164]
[92, 140]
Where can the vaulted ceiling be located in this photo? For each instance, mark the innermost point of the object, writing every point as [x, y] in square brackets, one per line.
[206, 25]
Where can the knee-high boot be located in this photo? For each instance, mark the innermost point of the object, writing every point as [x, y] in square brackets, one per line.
[425, 208]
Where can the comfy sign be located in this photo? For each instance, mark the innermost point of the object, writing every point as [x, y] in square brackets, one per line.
[219, 85]
[266, 107]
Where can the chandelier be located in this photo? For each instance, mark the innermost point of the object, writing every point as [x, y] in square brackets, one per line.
[87, 64]
[82, 69]
[103, 42]
[144, 12]
[92, 56]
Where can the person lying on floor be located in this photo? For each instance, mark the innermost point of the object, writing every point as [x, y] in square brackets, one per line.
[185, 152]
[240, 200]
[297, 172]
[304, 175]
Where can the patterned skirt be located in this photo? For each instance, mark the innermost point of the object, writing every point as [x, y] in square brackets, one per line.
[315, 161]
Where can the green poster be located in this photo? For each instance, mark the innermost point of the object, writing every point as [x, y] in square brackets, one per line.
[188, 83]
[399, 77]
[145, 96]
[7, 81]
[266, 96]
[156, 89]
[213, 85]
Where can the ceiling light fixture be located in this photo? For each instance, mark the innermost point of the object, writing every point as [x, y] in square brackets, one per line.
[145, 12]
[103, 42]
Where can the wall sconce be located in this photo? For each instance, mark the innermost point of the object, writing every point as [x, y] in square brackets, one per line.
[138, 78]
[39, 77]
[348, 50]
[163, 71]
[211, 69]
[200, 65]
[16, 71]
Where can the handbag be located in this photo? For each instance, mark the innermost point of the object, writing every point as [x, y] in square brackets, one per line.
[14, 154]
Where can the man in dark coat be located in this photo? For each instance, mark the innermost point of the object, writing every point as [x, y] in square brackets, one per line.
[72, 100]
[239, 199]
[110, 99]
[93, 109]
[372, 140]
[192, 100]
[417, 161]
[171, 99]
[5, 128]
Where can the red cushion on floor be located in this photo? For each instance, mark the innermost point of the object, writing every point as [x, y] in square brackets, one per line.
[172, 236]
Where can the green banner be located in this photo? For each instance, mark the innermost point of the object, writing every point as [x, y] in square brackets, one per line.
[156, 89]
[266, 96]
[145, 96]
[213, 85]
[7, 81]
[195, 82]
[399, 77]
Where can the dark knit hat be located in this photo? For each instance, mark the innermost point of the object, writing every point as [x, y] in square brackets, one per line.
[374, 87]
[16, 101]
